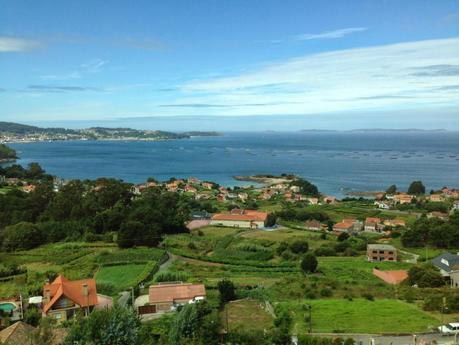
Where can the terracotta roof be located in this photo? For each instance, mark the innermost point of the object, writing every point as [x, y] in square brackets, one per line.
[343, 225]
[246, 215]
[373, 220]
[171, 292]
[16, 334]
[73, 290]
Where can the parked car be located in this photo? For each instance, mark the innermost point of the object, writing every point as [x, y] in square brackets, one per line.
[449, 328]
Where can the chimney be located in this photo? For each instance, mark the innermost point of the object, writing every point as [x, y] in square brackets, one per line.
[47, 296]
[85, 290]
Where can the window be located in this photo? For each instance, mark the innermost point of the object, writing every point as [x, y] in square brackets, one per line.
[375, 252]
[390, 253]
[381, 252]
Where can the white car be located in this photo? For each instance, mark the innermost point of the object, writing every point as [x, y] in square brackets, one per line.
[449, 328]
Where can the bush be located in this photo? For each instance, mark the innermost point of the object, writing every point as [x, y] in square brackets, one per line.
[171, 277]
[325, 250]
[227, 291]
[368, 296]
[21, 236]
[299, 247]
[326, 292]
[309, 263]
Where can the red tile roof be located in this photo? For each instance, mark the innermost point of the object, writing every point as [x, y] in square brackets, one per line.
[246, 215]
[73, 290]
[168, 293]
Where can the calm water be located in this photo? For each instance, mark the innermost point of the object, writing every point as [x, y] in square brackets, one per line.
[334, 161]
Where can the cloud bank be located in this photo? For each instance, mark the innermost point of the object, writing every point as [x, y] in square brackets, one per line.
[403, 75]
[14, 44]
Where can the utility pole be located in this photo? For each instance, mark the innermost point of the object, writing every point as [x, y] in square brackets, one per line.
[310, 317]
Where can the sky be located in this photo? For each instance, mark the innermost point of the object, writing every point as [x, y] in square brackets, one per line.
[231, 65]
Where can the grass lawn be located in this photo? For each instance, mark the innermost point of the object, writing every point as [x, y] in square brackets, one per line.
[361, 316]
[246, 315]
[119, 276]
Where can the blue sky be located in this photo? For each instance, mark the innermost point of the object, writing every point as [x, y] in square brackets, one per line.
[231, 64]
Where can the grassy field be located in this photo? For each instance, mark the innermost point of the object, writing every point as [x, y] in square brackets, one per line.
[246, 315]
[361, 316]
[119, 276]
[75, 260]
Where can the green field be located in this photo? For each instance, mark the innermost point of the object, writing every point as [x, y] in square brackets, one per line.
[360, 316]
[119, 276]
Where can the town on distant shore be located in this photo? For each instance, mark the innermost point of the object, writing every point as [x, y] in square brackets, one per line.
[13, 133]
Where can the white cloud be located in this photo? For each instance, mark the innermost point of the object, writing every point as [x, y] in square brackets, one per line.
[89, 67]
[329, 34]
[396, 76]
[14, 44]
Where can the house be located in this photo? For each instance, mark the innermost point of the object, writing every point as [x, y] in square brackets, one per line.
[329, 199]
[63, 298]
[241, 218]
[193, 180]
[456, 205]
[295, 189]
[380, 195]
[313, 201]
[435, 198]
[382, 205]
[381, 252]
[190, 189]
[243, 196]
[343, 226]
[372, 224]
[439, 215]
[20, 333]
[207, 185]
[448, 264]
[221, 197]
[391, 277]
[29, 188]
[313, 225]
[166, 297]
[403, 198]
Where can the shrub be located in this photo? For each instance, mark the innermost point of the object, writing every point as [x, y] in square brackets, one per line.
[368, 296]
[325, 251]
[227, 291]
[171, 277]
[309, 263]
[299, 247]
[326, 292]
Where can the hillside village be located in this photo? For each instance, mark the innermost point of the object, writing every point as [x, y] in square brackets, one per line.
[278, 248]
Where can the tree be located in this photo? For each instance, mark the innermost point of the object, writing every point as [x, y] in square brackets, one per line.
[416, 188]
[43, 335]
[391, 190]
[115, 326]
[299, 247]
[425, 276]
[306, 187]
[227, 291]
[309, 263]
[21, 236]
[195, 324]
[271, 220]
[343, 236]
[130, 233]
[32, 316]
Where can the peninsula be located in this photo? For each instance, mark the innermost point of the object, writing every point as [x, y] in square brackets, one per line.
[15, 132]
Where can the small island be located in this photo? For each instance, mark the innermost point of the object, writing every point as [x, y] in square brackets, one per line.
[14, 132]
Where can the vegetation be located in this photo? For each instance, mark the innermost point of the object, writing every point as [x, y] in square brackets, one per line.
[7, 153]
[417, 188]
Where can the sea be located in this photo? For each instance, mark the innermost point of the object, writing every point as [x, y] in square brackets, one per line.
[337, 162]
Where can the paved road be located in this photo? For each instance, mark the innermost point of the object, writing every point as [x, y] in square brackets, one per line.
[124, 298]
[414, 259]
[366, 339]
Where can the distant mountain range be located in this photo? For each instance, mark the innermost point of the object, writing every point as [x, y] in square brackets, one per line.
[14, 132]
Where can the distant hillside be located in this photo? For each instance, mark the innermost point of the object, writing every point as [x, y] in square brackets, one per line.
[12, 132]
[20, 129]
[7, 153]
